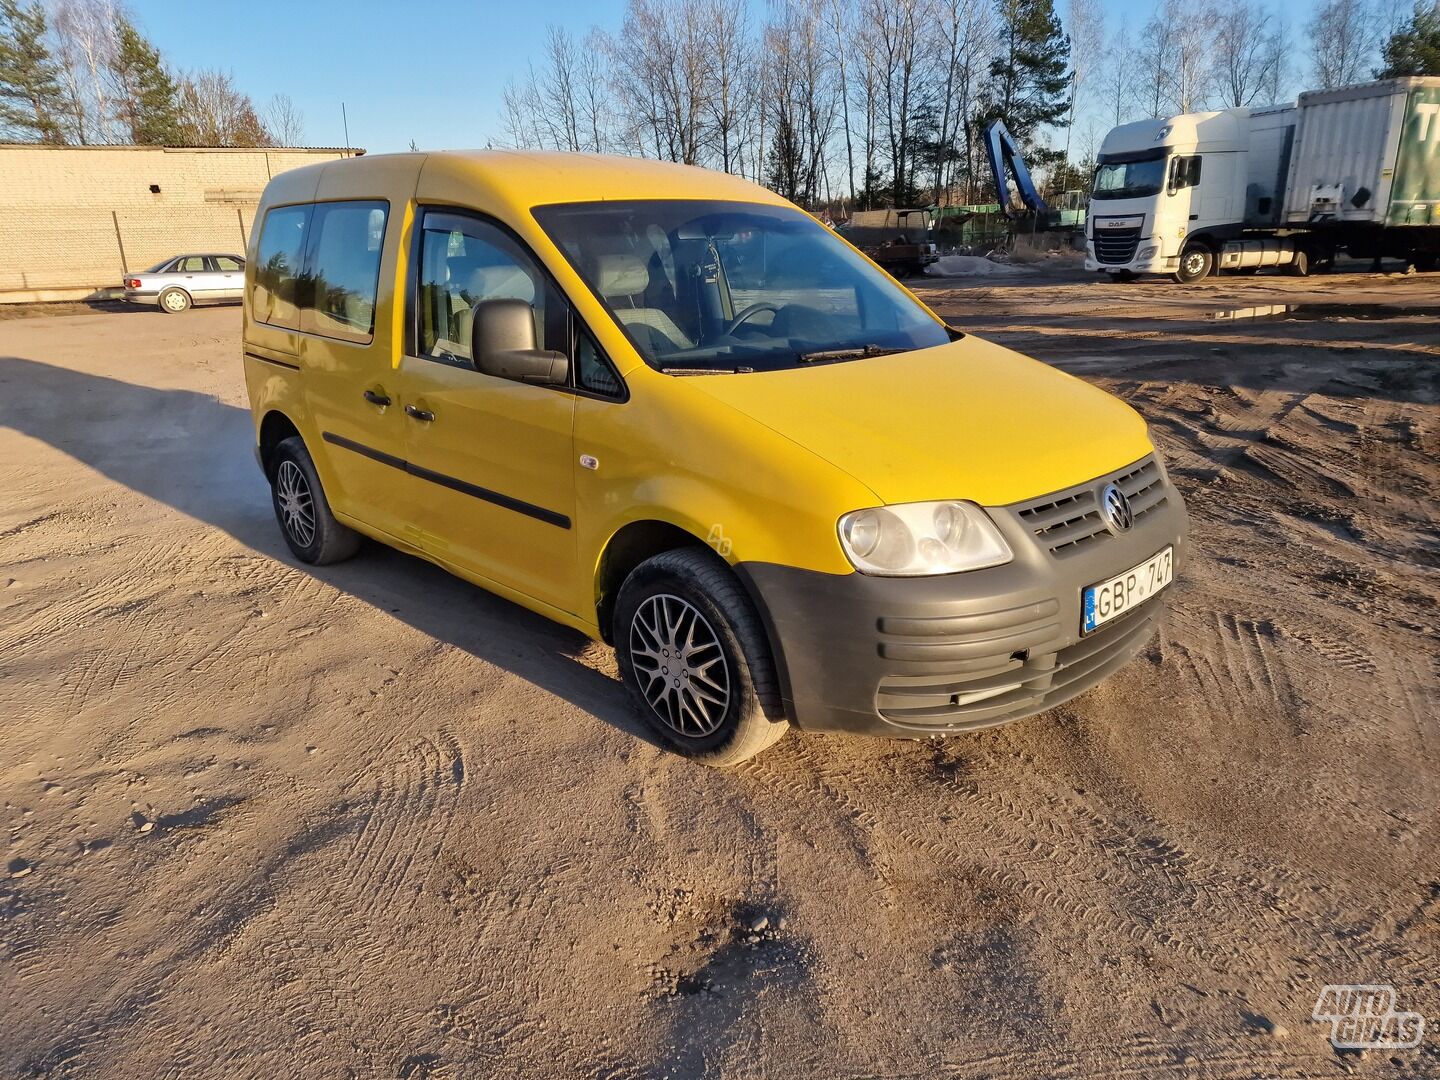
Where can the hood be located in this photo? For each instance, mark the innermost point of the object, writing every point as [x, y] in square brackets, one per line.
[966, 420]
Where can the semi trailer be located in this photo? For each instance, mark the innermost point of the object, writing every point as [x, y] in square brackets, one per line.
[1354, 170]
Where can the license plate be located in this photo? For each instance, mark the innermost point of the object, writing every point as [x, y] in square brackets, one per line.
[1109, 599]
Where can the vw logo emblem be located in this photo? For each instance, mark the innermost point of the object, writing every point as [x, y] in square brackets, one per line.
[1115, 508]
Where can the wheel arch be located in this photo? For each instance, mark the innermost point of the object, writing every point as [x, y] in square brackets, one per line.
[627, 548]
[636, 541]
[275, 428]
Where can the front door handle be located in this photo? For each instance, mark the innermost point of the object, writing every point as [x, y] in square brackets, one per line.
[376, 399]
[419, 414]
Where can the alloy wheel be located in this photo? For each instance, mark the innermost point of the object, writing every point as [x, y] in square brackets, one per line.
[297, 505]
[680, 665]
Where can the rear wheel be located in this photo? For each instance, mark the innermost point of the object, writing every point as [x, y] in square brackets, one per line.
[1301, 266]
[174, 301]
[303, 511]
[1196, 262]
[694, 656]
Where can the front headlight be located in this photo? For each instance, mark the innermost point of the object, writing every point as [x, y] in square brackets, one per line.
[920, 539]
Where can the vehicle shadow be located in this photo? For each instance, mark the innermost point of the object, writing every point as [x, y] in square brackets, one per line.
[195, 454]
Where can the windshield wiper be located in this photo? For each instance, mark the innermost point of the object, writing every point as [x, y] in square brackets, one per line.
[705, 370]
[856, 352]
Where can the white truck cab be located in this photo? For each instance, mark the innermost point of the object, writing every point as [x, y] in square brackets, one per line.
[1168, 193]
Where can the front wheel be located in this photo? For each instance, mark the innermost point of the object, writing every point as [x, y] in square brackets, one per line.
[303, 511]
[695, 658]
[1196, 262]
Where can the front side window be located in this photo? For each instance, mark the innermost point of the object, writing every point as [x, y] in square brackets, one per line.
[275, 298]
[463, 261]
[701, 286]
[344, 270]
[228, 264]
[1184, 172]
[1129, 179]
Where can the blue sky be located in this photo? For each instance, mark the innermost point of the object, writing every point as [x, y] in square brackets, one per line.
[428, 70]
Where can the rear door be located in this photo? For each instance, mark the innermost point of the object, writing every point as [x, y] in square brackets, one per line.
[494, 457]
[351, 386]
[231, 285]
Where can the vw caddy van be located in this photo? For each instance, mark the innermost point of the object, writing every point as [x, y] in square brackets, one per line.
[669, 409]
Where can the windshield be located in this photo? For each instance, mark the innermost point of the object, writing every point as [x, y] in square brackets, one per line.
[1129, 179]
[717, 286]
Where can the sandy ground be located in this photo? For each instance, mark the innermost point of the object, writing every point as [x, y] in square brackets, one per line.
[266, 820]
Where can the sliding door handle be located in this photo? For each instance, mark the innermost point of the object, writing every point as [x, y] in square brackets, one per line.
[419, 414]
[376, 399]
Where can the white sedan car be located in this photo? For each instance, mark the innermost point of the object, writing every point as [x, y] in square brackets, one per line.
[177, 283]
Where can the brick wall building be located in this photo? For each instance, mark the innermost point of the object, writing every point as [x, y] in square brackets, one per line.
[75, 219]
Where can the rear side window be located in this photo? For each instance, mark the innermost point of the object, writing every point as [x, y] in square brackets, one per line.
[275, 298]
[191, 264]
[344, 269]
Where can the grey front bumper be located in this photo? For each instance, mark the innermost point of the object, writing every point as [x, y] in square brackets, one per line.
[912, 657]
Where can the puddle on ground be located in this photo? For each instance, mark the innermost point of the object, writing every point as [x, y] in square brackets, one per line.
[1301, 312]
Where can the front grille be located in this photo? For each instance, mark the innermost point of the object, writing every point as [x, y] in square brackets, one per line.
[988, 680]
[1116, 246]
[1070, 521]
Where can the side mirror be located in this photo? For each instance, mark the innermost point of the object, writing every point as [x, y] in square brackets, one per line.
[502, 343]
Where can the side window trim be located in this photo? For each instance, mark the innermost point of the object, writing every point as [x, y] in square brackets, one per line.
[576, 325]
[308, 235]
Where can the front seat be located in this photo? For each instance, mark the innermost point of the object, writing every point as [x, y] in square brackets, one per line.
[620, 279]
[504, 282]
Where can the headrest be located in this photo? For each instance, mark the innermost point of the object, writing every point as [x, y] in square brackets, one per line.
[501, 283]
[620, 275]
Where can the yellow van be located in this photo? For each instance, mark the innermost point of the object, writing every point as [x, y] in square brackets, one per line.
[666, 407]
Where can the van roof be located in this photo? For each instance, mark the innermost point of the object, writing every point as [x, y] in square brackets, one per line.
[522, 179]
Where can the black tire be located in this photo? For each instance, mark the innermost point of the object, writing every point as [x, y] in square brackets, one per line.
[1424, 261]
[685, 583]
[1301, 266]
[173, 301]
[293, 480]
[1196, 262]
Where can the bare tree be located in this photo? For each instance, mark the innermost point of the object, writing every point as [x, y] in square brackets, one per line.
[84, 45]
[1086, 27]
[593, 94]
[1343, 38]
[726, 35]
[1248, 52]
[1122, 76]
[663, 76]
[284, 121]
[899, 31]
[559, 89]
[1176, 72]
[214, 112]
[800, 99]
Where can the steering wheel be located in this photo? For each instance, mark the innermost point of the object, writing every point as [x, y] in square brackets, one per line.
[740, 320]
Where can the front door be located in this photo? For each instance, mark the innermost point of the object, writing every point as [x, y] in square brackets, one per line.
[495, 458]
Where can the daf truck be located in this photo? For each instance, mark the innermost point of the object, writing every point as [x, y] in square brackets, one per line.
[1354, 170]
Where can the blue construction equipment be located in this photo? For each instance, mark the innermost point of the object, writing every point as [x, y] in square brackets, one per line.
[1002, 150]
